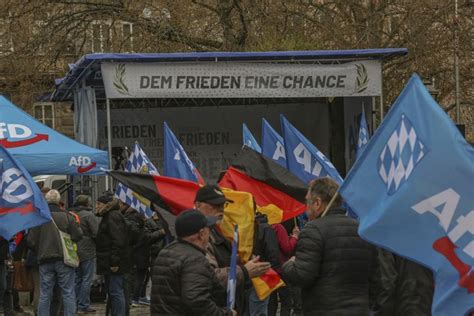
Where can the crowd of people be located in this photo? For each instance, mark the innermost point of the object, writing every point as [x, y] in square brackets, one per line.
[327, 268]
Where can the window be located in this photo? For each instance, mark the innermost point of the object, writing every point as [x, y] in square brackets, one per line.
[101, 37]
[57, 184]
[127, 36]
[44, 113]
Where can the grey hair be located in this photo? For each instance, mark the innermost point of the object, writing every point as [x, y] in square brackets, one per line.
[53, 196]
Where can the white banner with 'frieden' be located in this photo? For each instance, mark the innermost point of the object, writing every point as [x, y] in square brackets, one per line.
[240, 80]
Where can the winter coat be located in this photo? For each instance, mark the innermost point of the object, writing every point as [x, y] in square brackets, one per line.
[286, 244]
[406, 288]
[183, 283]
[218, 254]
[3, 249]
[137, 240]
[45, 241]
[112, 246]
[332, 266]
[266, 242]
[154, 237]
[90, 226]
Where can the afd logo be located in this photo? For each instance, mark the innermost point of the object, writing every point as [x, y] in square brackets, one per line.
[15, 189]
[279, 151]
[17, 135]
[444, 206]
[83, 163]
[303, 156]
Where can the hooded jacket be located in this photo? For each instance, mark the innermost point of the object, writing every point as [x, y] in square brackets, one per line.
[112, 246]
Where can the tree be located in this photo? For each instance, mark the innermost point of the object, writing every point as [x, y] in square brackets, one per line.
[51, 34]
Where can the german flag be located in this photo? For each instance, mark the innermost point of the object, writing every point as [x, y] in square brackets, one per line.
[177, 195]
[277, 192]
[174, 195]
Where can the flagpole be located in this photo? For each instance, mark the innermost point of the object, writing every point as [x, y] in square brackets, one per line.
[108, 181]
[330, 203]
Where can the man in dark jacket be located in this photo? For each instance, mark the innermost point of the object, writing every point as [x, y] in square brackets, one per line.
[5, 300]
[183, 282]
[113, 254]
[46, 242]
[86, 251]
[332, 263]
[155, 236]
[210, 201]
[405, 287]
[136, 280]
[266, 247]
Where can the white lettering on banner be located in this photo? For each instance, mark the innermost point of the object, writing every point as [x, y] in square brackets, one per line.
[14, 181]
[303, 157]
[14, 131]
[177, 155]
[243, 79]
[279, 152]
[450, 199]
[81, 161]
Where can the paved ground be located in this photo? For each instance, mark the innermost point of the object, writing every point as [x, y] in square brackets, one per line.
[100, 310]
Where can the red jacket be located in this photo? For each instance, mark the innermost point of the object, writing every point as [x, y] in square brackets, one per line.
[287, 244]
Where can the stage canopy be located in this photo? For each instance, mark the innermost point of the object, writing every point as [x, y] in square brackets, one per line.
[87, 70]
[43, 150]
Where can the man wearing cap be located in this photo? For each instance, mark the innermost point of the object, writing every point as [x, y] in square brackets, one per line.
[211, 201]
[183, 281]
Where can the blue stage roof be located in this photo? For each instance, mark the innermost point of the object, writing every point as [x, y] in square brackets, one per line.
[88, 65]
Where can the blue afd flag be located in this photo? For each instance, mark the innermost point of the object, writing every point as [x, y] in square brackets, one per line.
[177, 163]
[363, 135]
[413, 191]
[138, 162]
[303, 158]
[249, 140]
[273, 145]
[22, 204]
[232, 278]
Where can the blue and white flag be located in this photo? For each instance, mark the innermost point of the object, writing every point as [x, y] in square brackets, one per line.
[249, 140]
[232, 278]
[363, 135]
[177, 163]
[273, 145]
[138, 162]
[413, 190]
[22, 204]
[303, 158]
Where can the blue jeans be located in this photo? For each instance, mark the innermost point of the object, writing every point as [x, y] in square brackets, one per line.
[50, 274]
[84, 277]
[256, 306]
[114, 284]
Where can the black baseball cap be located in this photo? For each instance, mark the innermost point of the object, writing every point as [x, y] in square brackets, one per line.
[212, 194]
[192, 221]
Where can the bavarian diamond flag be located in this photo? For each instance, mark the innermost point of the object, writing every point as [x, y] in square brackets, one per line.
[413, 190]
[137, 162]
